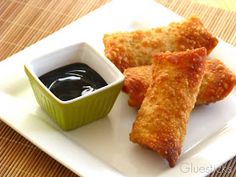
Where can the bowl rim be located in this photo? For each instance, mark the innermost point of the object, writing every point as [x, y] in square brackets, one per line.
[118, 74]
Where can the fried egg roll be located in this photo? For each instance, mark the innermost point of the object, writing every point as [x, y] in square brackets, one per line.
[130, 49]
[217, 83]
[162, 118]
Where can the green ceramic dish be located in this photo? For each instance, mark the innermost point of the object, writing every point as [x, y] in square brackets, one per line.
[82, 110]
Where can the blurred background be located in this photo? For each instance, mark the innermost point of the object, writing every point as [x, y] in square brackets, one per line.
[224, 4]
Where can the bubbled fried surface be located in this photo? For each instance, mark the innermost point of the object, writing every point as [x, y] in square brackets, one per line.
[217, 83]
[136, 83]
[130, 49]
[191, 35]
[162, 118]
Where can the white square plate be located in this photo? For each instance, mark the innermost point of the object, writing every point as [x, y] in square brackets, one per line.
[103, 148]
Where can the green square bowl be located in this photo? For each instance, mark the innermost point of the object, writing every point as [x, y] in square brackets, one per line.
[82, 110]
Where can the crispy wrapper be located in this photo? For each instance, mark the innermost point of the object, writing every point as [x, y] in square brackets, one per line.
[217, 83]
[130, 49]
[162, 118]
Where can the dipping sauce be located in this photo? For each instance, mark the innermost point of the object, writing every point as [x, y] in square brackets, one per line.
[72, 81]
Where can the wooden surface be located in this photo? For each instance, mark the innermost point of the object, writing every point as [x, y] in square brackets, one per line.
[229, 5]
[23, 22]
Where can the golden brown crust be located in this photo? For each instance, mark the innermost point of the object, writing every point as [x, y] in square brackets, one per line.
[161, 121]
[217, 83]
[137, 81]
[130, 49]
[191, 35]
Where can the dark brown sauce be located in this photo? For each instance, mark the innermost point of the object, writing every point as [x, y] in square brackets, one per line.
[72, 81]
